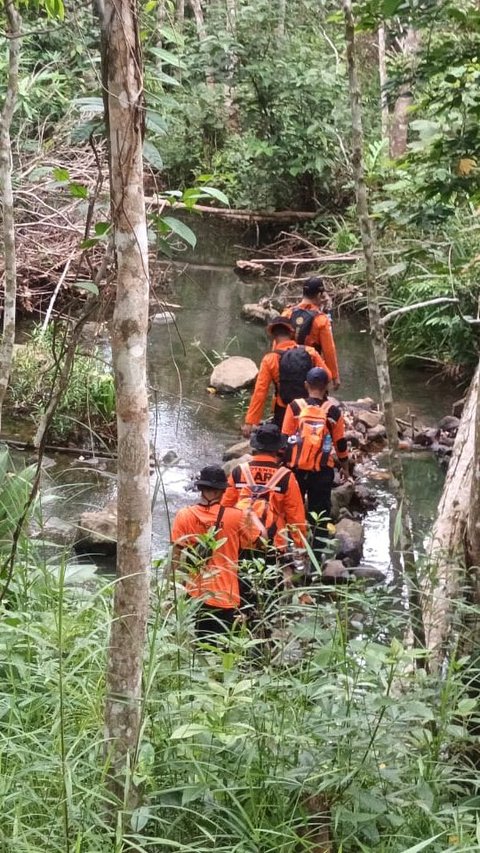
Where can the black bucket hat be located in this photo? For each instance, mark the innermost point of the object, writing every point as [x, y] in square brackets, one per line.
[313, 286]
[268, 437]
[211, 477]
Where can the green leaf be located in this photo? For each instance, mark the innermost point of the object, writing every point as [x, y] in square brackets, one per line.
[389, 7]
[155, 122]
[61, 174]
[140, 818]
[78, 190]
[93, 105]
[214, 193]
[183, 231]
[188, 730]
[102, 228]
[89, 286]
[466, 706]
[167, 56]
[152, 155]
[422, 844]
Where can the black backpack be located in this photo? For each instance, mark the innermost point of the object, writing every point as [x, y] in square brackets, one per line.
[302, 319]
[294, 364]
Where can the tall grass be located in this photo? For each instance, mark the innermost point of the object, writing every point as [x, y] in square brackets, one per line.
[241, 750]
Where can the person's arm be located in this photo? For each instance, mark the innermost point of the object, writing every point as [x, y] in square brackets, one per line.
[323, 335]
[294, 511]
[230, 495]
[336, 425]
[260, 394]
[319, 362]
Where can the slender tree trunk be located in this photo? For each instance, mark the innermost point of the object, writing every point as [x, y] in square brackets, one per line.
[456, 523]
[124, 71]
[282, 15]
[400, 118]
[376, 329]
[14, 23]
[197, 9]
[231, 108]
[382, 70]
[180, 12]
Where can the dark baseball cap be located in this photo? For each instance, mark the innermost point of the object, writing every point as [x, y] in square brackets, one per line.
[212, 477]
[313, 286]
[268, 437]
[317, 376]
[281, 321]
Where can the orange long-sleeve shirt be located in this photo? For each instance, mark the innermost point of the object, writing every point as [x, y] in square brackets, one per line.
[320, 336]
[268, 374]
[287, 504]
[217, 584]
[335, 422]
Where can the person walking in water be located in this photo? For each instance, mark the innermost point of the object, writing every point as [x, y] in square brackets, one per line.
[207, 539]
[269, 492]
[313, 326]
[314, 427]
[285, 367]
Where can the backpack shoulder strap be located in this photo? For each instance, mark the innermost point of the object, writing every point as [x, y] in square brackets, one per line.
[247, 474]
[277, 478]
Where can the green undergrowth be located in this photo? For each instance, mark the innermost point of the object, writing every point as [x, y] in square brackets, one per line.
[86, 410]
[243, 749]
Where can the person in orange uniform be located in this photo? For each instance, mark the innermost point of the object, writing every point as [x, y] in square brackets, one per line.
[282, 332]
[314, 426]
[286, 508]
[312, 325]
[214, 579]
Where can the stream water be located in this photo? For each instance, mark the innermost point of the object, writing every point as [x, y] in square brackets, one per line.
[197, 426]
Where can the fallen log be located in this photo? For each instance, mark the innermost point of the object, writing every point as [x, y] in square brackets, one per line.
[319, 259]
[19, 444]
[241, 215]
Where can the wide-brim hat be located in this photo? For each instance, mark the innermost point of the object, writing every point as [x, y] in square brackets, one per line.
[268, 437]
[282, 322]
[211, 477]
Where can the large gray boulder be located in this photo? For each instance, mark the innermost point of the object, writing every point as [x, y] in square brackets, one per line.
[236, 450]
[341, 497]
[368, 573]
[349, 535]
[59, 532]
[335, 572]
[369, 419]
[233, 374]
[97, 531]
[232, 463]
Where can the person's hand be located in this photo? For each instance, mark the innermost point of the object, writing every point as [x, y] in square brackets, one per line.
[336, 384]
[246, 430]
[345, 476]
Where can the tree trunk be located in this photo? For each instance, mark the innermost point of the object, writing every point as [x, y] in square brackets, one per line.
[382, 71]
[197, 9]
[376, 328]
[231, 108]
[180, 12]
[456, 516]
[282, 15]
[473, 525]
[14, 23]
[124, 72]
[401, 117]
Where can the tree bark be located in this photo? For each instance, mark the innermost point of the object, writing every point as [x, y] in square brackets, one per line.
[382, 71]
[125, 99]
[473, 524]
[377, 331]
[231, 108]
[180, 12]
[197, 9]
[455, 520]
[14, 23]
[400, 118]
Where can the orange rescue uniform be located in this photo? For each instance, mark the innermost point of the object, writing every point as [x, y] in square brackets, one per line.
[217, 583]
[286, 502]
[320, 335]
[269, 374]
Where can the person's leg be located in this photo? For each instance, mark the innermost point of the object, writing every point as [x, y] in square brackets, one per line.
[319, 493]
[213, 622]
[279, 414]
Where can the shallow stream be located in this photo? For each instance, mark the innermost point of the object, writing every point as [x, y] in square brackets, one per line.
[197, 426]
